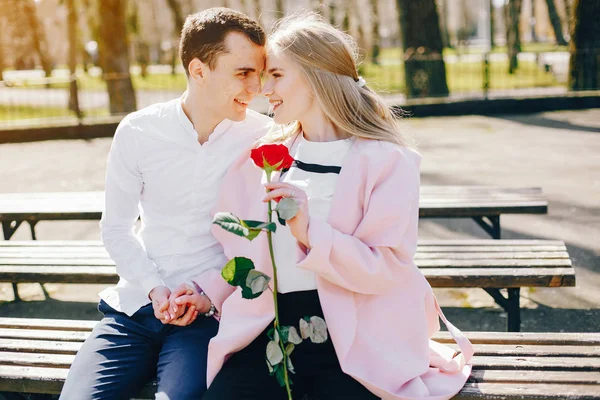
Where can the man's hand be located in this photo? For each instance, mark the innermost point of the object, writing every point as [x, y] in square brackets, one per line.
[187, 296]
[160, 303]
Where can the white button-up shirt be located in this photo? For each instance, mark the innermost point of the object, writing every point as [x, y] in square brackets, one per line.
[159, 171]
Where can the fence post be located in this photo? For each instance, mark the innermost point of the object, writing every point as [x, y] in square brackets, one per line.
[74, 97]
[486, 74]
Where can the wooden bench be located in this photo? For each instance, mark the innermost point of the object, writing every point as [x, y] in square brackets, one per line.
[483, 204]
[488, 264]
[35, 355]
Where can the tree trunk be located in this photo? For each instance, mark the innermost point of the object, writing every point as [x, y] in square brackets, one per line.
[492, 24]
[279, 9]
[375, 39]
[39, 36]
[114, 48]
[178, 21]
[513, 36]
[2, 60]
[584, 67]
[73, 50]
[555, 21]
[425, 71]
[444, 24]
[533, 20]
[569, 14]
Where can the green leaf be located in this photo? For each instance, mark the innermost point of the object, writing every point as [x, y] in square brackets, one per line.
[289, 334]
[274, 353]
[231, 223]
[289, 348]
[256, 227]
[270, 333]
[293, 336]
[236, 271]
[305, 328]
[267, 226]
[245, 228]
[284, 330]
[319, 331]
[257, 281]
[290, 366]
[287, 208]
[280, 375]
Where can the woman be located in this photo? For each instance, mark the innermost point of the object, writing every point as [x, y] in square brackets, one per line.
[347, 255]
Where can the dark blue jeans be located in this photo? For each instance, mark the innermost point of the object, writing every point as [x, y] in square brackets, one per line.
[124, 353]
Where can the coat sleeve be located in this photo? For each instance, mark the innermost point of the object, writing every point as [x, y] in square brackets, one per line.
[380, 251]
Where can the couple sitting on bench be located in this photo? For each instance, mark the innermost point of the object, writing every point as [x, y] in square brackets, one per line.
[351, 309]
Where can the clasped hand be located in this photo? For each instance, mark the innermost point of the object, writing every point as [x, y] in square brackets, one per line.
[180, 307]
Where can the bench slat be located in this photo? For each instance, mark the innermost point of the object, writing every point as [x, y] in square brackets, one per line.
[40, 346]
[423, 242]
[512, 376]
[44, 380]
[502, 391]
[39, 334]
[47, 324]
[480, 349]
[101, 258]
[36, 359]
[541, 363]
[439, 260]
[437, 277]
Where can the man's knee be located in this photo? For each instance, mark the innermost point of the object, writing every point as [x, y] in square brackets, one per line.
[181, 389]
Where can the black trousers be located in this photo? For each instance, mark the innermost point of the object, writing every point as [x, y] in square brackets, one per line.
[318, 373]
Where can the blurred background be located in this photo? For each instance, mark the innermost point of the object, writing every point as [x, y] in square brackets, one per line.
[92, 59]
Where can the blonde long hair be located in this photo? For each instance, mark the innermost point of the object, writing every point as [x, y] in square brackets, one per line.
[327, 58]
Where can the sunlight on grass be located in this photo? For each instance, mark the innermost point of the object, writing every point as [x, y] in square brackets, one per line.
[8, 113]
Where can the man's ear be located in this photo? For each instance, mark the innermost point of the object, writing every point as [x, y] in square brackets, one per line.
[197, 70]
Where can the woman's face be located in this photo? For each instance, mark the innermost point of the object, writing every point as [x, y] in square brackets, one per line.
[287, 90]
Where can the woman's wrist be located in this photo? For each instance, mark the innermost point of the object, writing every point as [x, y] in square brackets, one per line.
[206, 307]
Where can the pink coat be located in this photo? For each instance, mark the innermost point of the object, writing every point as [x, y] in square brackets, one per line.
[380, 310]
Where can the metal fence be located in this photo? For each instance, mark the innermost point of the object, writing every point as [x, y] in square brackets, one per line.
[26, 97]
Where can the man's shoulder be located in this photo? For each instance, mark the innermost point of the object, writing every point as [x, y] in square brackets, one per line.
[151, 113]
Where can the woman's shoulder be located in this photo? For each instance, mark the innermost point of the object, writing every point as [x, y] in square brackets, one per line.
[380, 152]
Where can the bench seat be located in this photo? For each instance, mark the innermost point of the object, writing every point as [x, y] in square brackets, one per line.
[35, 355]
[445, 263]
[488, 264]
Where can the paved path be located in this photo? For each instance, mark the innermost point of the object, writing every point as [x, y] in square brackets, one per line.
[559, 151]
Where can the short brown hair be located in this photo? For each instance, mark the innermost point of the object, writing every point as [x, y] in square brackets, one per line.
[203, 34]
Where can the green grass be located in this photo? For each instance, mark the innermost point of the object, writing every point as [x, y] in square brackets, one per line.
[396, 52]
[464, 77]
[9, 113]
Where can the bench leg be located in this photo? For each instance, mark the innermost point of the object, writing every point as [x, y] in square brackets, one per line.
[490, 224]
[9, 228]
[511, 305]
[32, 229]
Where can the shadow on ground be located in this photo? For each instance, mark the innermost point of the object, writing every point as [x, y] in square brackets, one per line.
[539, 120]
[50, 308]
[540, 319]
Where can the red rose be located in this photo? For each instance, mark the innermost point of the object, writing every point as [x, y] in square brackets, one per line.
[273, 157]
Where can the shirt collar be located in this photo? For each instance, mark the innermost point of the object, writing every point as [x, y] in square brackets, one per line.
[185, 122]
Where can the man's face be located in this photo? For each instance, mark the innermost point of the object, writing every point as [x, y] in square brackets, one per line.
[235, 79]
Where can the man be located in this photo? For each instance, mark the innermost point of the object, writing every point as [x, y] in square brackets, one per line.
[168, 160]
